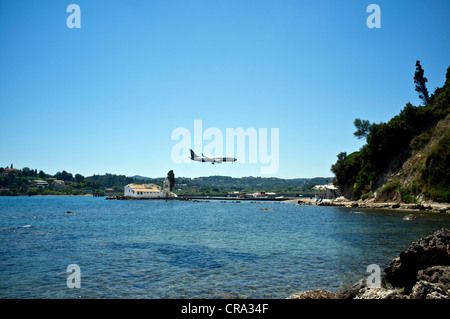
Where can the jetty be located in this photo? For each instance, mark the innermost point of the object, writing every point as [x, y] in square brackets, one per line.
[199, 197]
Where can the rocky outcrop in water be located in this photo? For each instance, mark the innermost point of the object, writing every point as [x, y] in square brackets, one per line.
[427, 252]
[343, 202]
[420, 272]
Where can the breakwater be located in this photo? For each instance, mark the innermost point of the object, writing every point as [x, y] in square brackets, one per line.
[190, 197]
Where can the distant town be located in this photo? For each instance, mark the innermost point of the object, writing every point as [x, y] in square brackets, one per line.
[31, 182]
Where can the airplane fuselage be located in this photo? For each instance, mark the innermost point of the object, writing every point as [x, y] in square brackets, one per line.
[212, 159]
[215, 159]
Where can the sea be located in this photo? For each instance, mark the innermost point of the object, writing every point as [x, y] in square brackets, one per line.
[157, 249]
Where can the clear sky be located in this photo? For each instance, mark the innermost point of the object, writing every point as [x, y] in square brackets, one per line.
[105, 98]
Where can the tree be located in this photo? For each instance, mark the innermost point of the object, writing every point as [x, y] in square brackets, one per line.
[171, 178]
[42, 174]
[419, 81]
[27, 172]
[79, 178]
[447, 77]
[362, 128]
[65, 176]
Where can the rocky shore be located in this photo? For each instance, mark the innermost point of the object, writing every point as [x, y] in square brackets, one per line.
[420, 272]
[341, 202]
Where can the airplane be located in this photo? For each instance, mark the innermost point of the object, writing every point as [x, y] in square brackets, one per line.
[212, 159]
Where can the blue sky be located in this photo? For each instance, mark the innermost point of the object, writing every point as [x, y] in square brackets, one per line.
[105, 98]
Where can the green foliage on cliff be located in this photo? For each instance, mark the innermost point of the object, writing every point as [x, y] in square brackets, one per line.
[389, 145]
[436, 175]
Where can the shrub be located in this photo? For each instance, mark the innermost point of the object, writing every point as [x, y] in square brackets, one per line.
[390, 186]
[366, 196]
[419, 141]
[409, 199]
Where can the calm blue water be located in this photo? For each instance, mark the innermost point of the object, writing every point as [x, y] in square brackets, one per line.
[175, 249]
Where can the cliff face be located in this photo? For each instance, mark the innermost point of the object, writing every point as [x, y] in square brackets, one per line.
[412, 176]
[404, 160]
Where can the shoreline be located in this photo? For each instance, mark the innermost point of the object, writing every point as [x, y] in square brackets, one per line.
[431, 207]
[422, 271]
[422, 207]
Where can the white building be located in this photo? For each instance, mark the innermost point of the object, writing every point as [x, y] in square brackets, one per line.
[40, 183]
[328, 191]
[262, 195]
[148, 190]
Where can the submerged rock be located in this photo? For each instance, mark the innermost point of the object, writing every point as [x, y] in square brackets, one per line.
[409, 217]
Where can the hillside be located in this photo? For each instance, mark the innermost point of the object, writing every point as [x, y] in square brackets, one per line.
[28, 181]
[217, 184]
[406, 159]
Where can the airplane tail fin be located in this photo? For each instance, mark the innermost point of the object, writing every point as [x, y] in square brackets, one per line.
[193, 155]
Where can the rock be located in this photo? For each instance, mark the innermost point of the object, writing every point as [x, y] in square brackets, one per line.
[322, 203]
[380, 293]
[439, 275]
[422, 271]
[409, 217]
[352, 291]
[396, 206]
[433, 250]
[427, 290]
[413, 206]
[316, 294]
[340, 199]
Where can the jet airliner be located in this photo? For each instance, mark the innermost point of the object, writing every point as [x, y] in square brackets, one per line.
[212, 159]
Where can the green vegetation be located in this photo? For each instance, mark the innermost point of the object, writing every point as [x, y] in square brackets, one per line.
[226, 184]
[171, 178]
[24, 182]
[436, 175]
[419, 81]
[27, 181]
[394, 188]
[389, 145]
